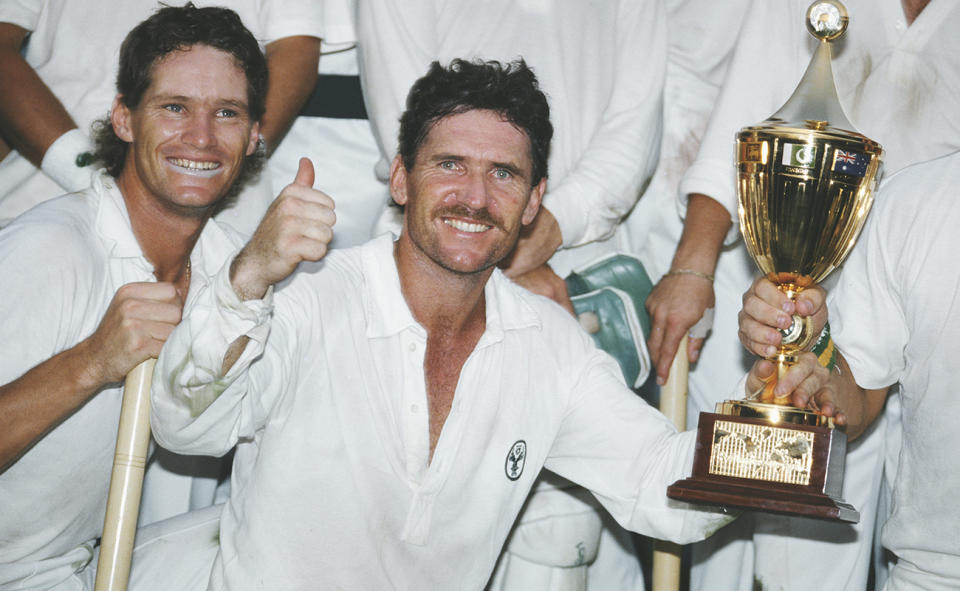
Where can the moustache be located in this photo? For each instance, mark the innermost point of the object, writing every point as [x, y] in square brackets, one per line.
[482, 216]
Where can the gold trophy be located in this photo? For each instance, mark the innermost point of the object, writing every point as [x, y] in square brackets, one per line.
[805, 185]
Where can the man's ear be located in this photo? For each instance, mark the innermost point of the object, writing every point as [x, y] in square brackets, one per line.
[254, 138]
[120, 119]
[398, 181]
[533, 204]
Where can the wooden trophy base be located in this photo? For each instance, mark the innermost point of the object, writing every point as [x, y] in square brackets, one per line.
[768, 458]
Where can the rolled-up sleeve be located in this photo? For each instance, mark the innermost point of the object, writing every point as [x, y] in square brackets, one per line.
[196, 408]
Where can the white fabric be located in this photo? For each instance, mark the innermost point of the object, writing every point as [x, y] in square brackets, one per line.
[54, 496]
[74, 48]
[601, 65]
[899, 86]
[344, 151]
[700, 38]
[893, 317]
[331, 482]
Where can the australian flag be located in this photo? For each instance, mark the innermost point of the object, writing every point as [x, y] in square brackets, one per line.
[852, 163]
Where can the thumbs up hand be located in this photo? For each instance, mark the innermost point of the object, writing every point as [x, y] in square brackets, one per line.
[298, 226]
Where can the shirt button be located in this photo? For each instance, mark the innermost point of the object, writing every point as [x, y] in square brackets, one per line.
[412, 347]
[414, 408]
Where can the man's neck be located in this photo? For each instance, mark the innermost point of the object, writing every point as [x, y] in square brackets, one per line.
[442, 301]
[166, 238]
[913, 8]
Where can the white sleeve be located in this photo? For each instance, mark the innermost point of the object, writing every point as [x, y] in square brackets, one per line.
[627, 453]
[195, 409]
[23, 13]
[288, 18]
[397, 41]
[867, 319]
[604, 184]
[768, 62]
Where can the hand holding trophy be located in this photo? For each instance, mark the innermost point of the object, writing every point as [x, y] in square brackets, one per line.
[805, 182]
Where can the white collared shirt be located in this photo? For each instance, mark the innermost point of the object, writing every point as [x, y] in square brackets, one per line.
[332, 487]
[61, 265]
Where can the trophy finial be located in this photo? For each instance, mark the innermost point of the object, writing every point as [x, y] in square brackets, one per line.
[814, 104]
[827, 19]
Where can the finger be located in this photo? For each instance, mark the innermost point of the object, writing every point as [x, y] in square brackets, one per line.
[668, 350]
[802, 380]
[693, 349]
[824, 401]
[305, 173]
[762, 311]
[158, 333]
[771, 294]
[811, 300]
[134, 311]
[758, 338]
[760, 375]
[153, 290]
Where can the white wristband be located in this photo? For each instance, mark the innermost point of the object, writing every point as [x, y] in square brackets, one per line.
[67, 160]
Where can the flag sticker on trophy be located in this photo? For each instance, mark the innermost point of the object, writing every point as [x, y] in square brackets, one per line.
[799, 155]
[805, 182]
[850, 163]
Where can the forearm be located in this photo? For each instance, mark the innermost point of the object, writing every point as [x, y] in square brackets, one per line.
[292, 63]
[860, 406]
[31, 116]
[704, 228]
[37, 401]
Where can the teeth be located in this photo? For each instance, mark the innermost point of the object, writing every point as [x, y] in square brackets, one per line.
[466, 226]
[193, 164]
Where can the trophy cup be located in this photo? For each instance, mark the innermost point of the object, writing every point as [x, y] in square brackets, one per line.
[805, 183]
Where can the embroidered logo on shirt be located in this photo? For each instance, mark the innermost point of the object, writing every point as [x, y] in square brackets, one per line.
[516, 458]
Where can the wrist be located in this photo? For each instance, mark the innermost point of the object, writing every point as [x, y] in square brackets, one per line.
[245, 280]
[676, 272]
[88, 372]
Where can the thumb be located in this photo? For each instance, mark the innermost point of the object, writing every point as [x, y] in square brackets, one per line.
[304, 173]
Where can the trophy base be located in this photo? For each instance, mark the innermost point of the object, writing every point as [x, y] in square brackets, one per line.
[767, 458]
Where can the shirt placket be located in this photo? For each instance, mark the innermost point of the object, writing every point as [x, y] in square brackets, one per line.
[413, 411]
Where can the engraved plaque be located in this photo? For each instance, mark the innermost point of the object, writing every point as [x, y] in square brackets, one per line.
[761, 452]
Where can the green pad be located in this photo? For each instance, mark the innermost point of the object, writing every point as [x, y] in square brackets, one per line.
[608, 315]
[622, 271]
[608, 296]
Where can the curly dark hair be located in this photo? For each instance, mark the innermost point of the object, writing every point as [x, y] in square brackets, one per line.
[508, 89]
[175, 28]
